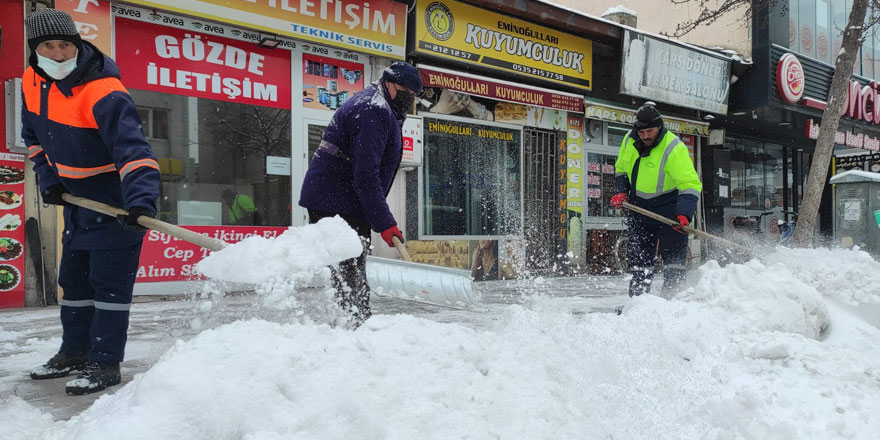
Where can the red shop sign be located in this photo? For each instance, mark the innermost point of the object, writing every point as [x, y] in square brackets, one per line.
[165, 258]
[503, 91]
[790, 78]
[183, 62]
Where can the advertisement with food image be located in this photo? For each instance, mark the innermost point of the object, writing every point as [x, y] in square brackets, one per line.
[11, 175]
[12, 241]
[10, 277]
[9, 199]
[10, 249]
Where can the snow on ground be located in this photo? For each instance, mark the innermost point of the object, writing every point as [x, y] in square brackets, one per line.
[770, 349]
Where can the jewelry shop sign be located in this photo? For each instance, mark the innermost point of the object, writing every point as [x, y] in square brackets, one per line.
[476, 36]
[372, 26]
[665, 72]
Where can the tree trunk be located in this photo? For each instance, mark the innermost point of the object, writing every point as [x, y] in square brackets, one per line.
[852, 39]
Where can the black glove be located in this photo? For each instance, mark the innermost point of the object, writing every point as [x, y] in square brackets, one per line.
[52, 195]
[129, 222]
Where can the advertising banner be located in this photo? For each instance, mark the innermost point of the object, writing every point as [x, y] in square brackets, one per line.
[627, 116]
[666, 72]
[372, 26]
[575, 166]
[168, 60]
[12, 238]
[165, 258]
[412, 141]
[499, 90]
[327, 82]
[468, 34]
[92, 18]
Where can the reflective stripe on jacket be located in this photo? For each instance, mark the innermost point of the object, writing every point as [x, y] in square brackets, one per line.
[663, 177]
[84, 133]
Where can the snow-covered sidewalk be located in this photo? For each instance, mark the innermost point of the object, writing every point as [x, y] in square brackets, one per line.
[782, 348]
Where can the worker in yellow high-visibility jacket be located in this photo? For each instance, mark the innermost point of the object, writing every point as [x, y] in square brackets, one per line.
[654, 171]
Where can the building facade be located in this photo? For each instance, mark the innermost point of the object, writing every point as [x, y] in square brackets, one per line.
[508, 156]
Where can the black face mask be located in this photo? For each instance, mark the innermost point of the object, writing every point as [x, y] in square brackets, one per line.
[402, 103]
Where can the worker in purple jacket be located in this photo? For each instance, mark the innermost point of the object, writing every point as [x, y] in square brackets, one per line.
[352, 172]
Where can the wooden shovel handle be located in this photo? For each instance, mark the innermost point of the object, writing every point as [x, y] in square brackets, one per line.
[148, 222]
[401, 249]
[688, 229]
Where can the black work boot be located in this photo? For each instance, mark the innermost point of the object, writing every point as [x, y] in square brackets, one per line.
[59, 366]
[95, 377]
[640, 282]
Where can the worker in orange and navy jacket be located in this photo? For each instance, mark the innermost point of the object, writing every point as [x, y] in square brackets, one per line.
[84, 137]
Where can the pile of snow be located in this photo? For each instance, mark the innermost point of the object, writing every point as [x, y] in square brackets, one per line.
[735, 357]
[299, 250]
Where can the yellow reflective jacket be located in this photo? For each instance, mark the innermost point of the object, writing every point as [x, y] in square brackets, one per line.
[662, 177]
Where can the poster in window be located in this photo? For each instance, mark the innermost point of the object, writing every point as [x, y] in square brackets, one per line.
[12, 238]
[328, 82]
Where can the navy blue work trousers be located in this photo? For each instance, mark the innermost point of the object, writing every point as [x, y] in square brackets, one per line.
[642, 249]
[98, 286]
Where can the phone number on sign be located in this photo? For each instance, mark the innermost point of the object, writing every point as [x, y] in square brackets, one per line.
[538, 72]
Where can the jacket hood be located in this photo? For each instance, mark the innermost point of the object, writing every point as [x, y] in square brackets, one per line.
[91, 64]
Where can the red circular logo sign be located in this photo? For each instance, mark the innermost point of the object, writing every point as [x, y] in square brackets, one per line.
[790, 78]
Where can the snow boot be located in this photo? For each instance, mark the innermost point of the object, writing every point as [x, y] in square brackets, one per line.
[59, 366]
[95, 377]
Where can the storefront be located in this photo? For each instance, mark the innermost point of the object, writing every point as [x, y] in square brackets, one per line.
[689, 85]
[776, 105]
[607, 124]
[233, 97]
[501, 139]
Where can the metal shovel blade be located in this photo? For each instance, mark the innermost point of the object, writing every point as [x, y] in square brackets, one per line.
[419, 282]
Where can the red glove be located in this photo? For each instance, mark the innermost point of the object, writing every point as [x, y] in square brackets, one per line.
[618, 199]
[391, 232]
[682, 223]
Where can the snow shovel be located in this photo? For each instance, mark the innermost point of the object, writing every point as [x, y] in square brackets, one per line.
[175, 231]
[734, 246]
[399, 279]
[442, 286]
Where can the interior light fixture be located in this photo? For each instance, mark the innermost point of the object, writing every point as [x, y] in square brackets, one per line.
[268, 42]
[738, 113]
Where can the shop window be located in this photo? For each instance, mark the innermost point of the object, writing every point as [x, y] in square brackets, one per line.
[154, 122]
[616, 133]
[214, 155]
[600, 186]
[471, 179]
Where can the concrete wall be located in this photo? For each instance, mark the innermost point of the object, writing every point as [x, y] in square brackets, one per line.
[658, 16]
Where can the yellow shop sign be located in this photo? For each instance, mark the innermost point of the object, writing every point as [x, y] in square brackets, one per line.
[377, 26]
[466, 33]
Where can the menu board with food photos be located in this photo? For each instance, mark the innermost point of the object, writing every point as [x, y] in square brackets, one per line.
[11, 230]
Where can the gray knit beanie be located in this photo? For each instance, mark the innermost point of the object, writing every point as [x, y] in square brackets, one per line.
[51, 24]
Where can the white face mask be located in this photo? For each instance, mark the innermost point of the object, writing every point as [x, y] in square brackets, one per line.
[56, 70]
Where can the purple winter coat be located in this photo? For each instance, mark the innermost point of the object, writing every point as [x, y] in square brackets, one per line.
[368, 133]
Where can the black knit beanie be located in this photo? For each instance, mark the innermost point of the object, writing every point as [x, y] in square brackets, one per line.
[648, 117]
[51, 24]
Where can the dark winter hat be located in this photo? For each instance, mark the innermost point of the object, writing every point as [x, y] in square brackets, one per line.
[404, 74]
[648, 117]
[51, 24]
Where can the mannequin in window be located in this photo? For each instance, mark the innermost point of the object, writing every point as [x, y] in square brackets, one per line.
[242, 211]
